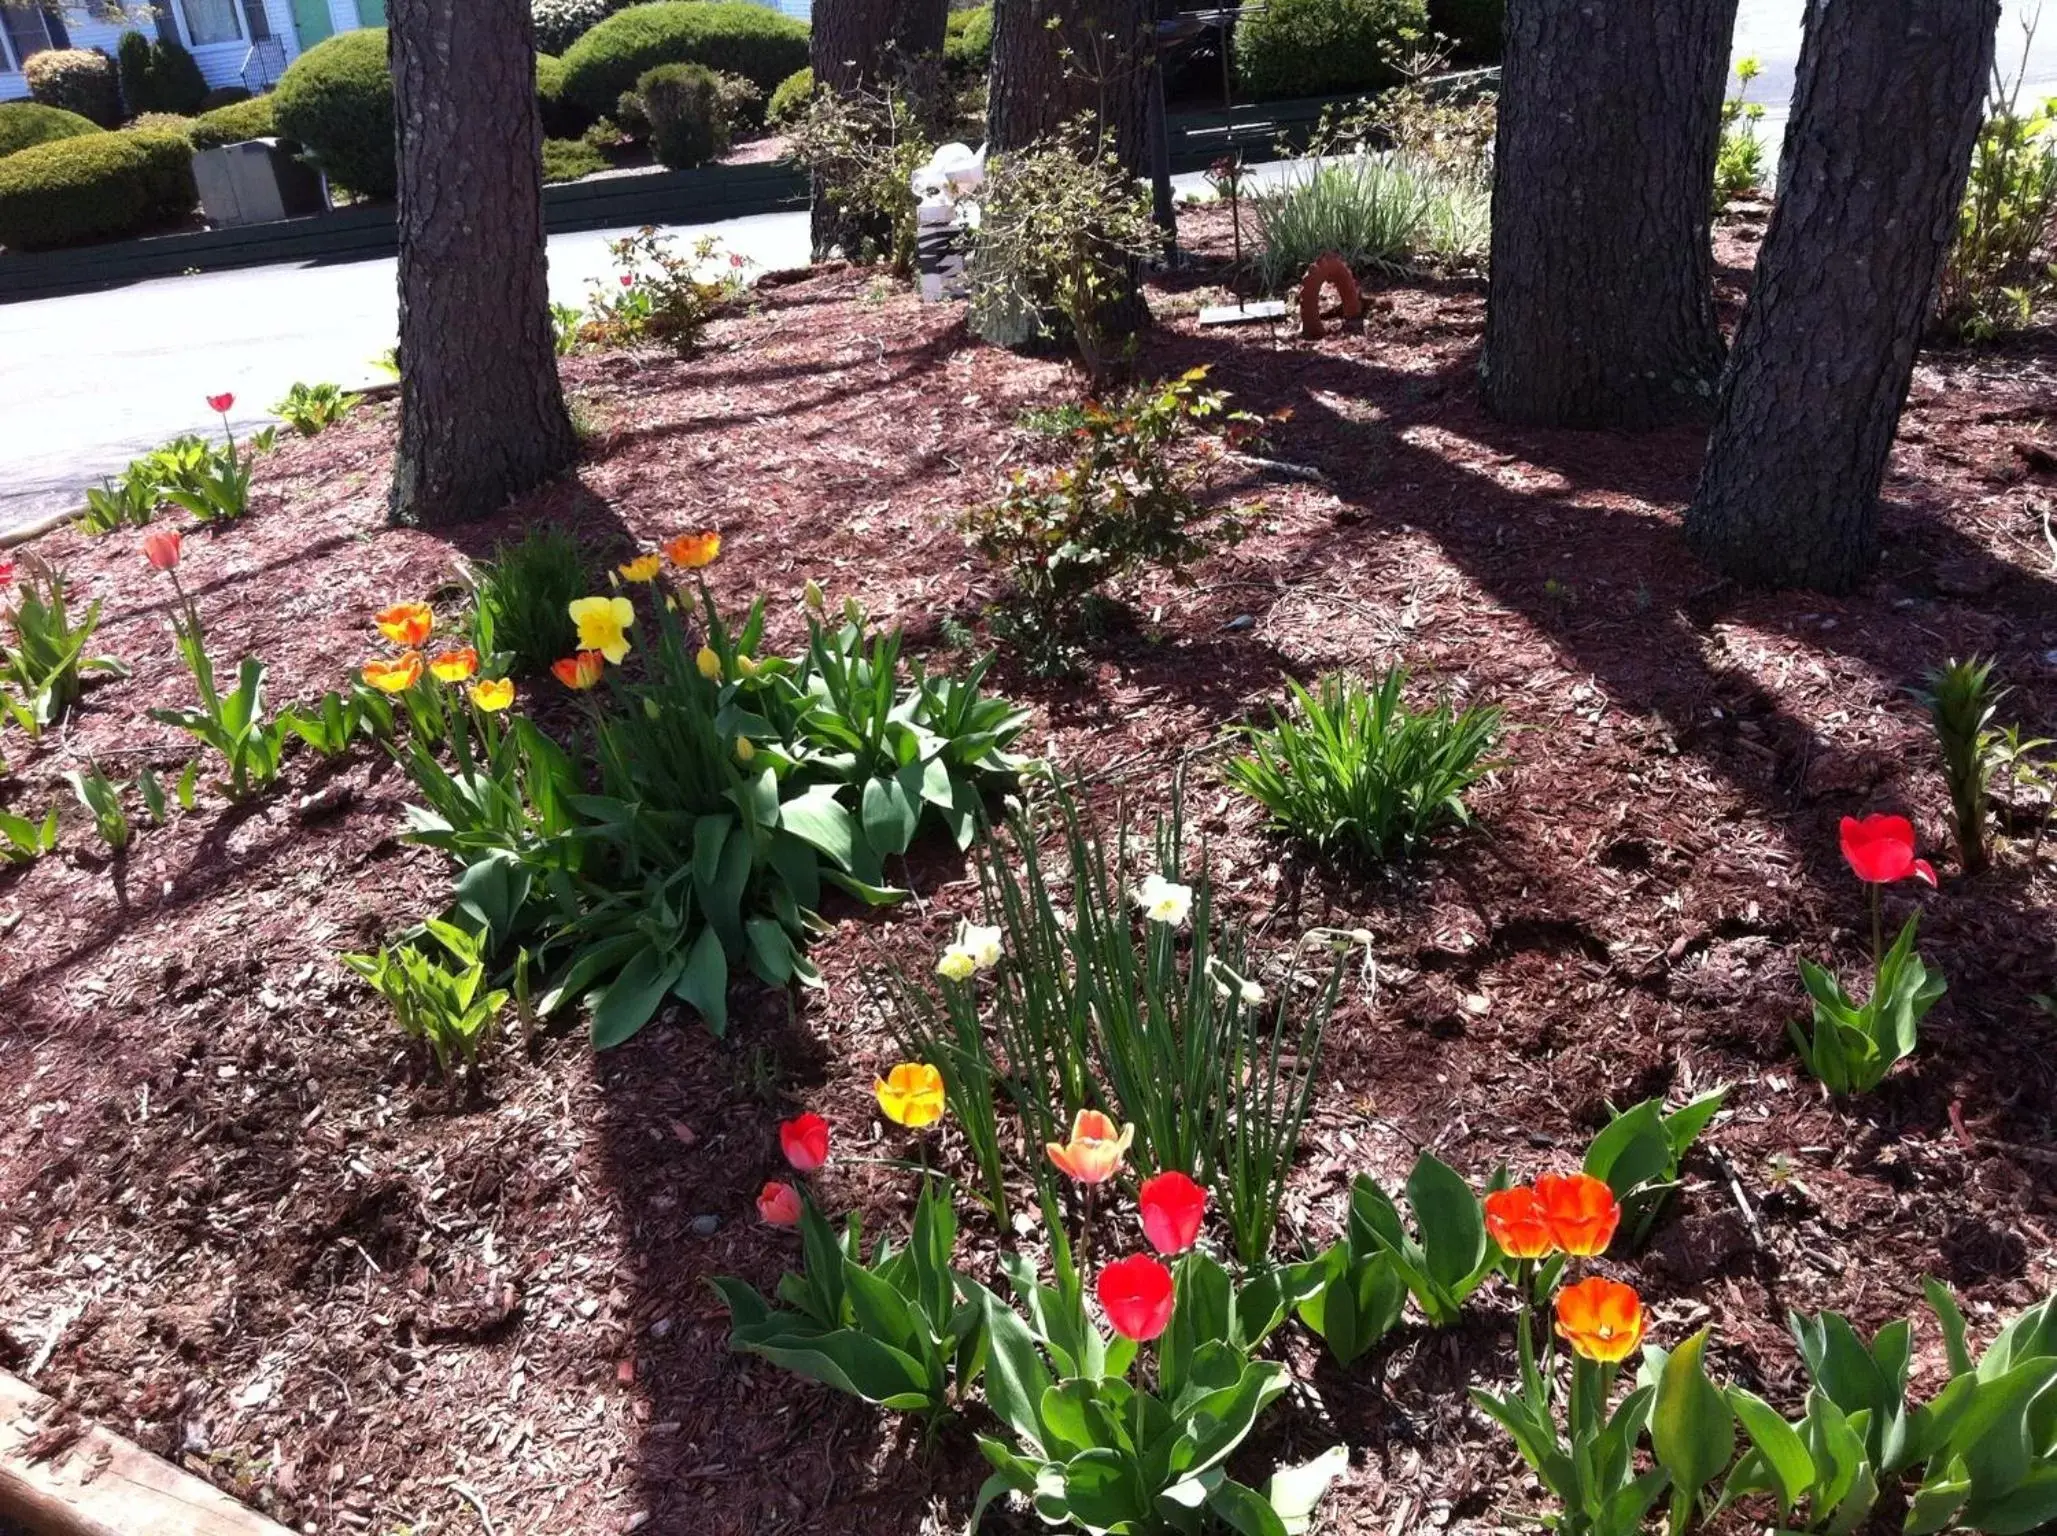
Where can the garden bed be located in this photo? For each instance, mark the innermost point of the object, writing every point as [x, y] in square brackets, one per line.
[247, 1230]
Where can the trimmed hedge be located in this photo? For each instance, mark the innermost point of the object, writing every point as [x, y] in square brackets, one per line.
[968, 42]
[77, 80]
[101, 185]
[252, 119]
[1315, 47]
[730, 35]
[224, 96]
[790, 99]
[160, 76]
[27, 123]
[161, 122]
[336, 99]
[688, 125]
[562, 117]
[569, 159]
[1474, 27]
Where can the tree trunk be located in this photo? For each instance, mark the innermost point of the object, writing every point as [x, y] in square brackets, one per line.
[1600, 311]
[1886, 105]
[1096, 60]
[482, 415]
[851, 46]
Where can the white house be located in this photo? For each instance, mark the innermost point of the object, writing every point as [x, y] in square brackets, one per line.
[235, 42]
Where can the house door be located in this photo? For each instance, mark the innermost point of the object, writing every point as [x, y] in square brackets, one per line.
[311, 21]
[371, 13]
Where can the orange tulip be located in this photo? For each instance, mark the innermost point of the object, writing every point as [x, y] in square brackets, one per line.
[580, 672]
[407, 624]
[1095, 1151]
[693, 550]
[911, 1094]
[1581, 1211]
[160, 548]
[395, 676]
[1517, 1223]
[455, 666]
[1601, 1319]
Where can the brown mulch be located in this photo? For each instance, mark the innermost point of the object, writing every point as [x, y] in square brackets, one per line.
[244, 1227]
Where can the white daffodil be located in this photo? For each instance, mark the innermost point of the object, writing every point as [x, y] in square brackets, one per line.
[1229, 983]
[957, 964]
[1165, 901]
[976, 949]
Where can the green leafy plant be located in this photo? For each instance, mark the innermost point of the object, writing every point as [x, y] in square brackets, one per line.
[689, 123]
[520, 597]
[102, 797]
[1961, 700]
[1380, 212]
[1990, 1437]
[1998, 266]
[903, 1332]
[44, 662]
[863, 147]
[1739, 160]
[1448, 1256]
[233, 724]
[1132, 497]
[1354, 770]
[212, 483]
[1639, 1152]
[1172, 1030]
[310, 408]
[659, 295]
[27, 840]
[1855, 1045]
[565, 321]
[1360, 1295]
[127, 503]
[443, 1001]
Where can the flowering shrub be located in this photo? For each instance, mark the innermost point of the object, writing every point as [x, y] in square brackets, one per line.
[657, 294]
[1131, 498]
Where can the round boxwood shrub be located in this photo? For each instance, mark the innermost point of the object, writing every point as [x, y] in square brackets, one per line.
[1473, 27]
[790, 99]
[688, 125]
[23, 123]
[336, 100]
[77, 80]
[731, 35]
[1315, 47]
[968, 42]
[100, 185]
[562, 117]
[252, 119]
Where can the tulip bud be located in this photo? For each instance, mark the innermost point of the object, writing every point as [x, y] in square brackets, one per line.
[811, 595]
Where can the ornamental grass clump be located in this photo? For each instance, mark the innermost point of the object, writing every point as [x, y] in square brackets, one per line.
[1357, 772]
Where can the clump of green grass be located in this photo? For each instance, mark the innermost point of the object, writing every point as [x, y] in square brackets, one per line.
[1379, 212]
[1353, 770]
[524, 595]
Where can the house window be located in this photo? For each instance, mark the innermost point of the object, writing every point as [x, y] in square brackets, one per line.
[23, 30]
[211, 21]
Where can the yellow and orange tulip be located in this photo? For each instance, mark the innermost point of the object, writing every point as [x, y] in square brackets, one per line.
[1096, 1149]
[408, 624]
[1601, 1319]
[455, 666]
[396, 676]
[690, 551]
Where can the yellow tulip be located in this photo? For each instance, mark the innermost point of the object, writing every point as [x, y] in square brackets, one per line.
[493, 694]
[744, 749]
[603, 624]
[708, 663]
[911, 1094]
[642, 568]
[455, 666]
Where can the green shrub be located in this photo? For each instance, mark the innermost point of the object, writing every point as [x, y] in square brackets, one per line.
[1313, 47]
[520, 598]
[1357, 773]
[968, 42]
[101, 185]
[23, 123]
[77, 80]
[1378, 212]
[562, 117]
[132, 67]
[1474, 27]
[569, 159]
[790, 99]
[176, 80]
[336, 99]
[161, 122]
[687, 124]
[560, 23]
[252, 119]
[224, 96]
[730, 35]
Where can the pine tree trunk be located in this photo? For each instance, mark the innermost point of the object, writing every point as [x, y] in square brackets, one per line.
[482, 415]
[1600, 311]
[849, 42]
[1886, 106]
[1096, 60]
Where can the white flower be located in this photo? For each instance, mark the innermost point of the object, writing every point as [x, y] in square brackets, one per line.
[976, 949]
[1163, 901]
[1227, 984]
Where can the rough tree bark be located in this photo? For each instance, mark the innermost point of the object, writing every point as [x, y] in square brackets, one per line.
[847, 46]
[1095, 59]
[1886, 107]
[482, 415]
[1600, 310]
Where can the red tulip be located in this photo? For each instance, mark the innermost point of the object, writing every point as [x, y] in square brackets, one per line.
[779, 1204]
[6, 574]
[1580, 1211]
[161, 548]
[1172, 1207]
[220, 403]
[628, 280]
[805, 1141]
[1136, 1294]
[1881, 850]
